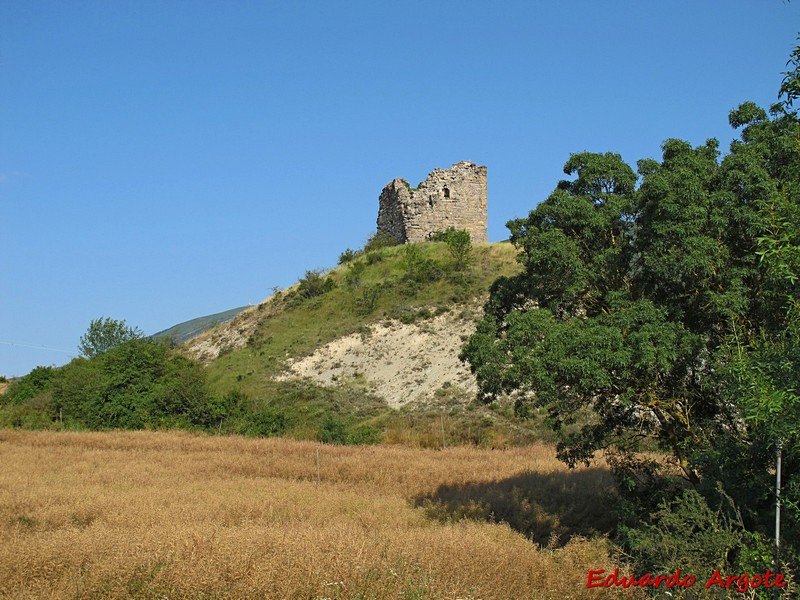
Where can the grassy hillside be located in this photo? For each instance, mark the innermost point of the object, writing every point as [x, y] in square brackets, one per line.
[291, 324]
[409, 284]
[174, 515]
[380, 335]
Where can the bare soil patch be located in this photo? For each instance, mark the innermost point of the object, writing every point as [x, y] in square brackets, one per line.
[401, 363]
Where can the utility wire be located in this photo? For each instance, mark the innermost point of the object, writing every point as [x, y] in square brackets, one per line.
[48, 348]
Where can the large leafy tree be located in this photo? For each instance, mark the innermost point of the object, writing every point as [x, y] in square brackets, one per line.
[659, 304]
[624, 294]
[759, 362]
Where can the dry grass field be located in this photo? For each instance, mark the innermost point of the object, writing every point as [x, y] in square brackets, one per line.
[175, 515]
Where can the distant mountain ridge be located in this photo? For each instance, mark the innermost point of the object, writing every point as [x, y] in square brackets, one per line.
[183, 332]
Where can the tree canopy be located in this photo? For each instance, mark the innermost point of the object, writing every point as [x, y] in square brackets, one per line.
[660, 304]
[137, 384]
[104, 334]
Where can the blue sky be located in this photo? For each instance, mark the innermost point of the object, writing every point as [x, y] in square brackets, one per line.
[165, 160]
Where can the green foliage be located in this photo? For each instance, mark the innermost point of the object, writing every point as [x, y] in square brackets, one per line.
[378, 241]
[314, 283]
[363, 435]
[665, 311]
[302, 409]
[687, 534]
[759, 362]
[105, 334]
[34, 384]
[790, 86]
[332, 430]
[367, 302]
[137, 384]
[34, 413]
[232, 405]
[419, 268]
[348, 256]
[355, 273]
[627, 296]
[336, 430]
[459, 245]
[269, 422]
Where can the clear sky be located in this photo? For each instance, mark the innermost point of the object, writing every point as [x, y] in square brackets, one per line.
[164, 160]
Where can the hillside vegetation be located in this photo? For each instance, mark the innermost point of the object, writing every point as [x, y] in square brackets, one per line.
[364, 353]
[416, 287]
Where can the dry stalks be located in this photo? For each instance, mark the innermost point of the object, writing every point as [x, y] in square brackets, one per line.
[172, 515]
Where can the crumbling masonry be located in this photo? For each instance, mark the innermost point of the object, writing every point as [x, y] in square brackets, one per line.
[454, 197]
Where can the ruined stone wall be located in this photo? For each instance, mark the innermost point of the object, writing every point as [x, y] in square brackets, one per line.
[454, 197]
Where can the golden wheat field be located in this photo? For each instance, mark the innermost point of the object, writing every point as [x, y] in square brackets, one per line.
[175, 515]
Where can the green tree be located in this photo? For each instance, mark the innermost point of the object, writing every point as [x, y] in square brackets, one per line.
[790, 86]
[665, 310]
[759, 363]
[626, 295]
[140, 383]
[459, 246]
[104, 334]
[33, 384]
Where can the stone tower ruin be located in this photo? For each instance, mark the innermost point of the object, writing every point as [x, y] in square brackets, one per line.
[454, 197]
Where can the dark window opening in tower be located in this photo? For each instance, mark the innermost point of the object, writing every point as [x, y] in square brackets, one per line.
[446, 193]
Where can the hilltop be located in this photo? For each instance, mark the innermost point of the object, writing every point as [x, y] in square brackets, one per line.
[372, 344]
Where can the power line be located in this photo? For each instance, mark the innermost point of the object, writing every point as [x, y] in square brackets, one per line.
[47, 348]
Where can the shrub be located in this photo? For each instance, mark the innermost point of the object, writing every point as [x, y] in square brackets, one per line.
[687, 534]
[332, 430]
[138, 384]
[35, 413]
[268, 423]
[314, 284]
[33, 384]
[348, 256]
[418, 268]
[378, 241]
[368, 300]
[459, 245]
[355, 271]
[364, 434]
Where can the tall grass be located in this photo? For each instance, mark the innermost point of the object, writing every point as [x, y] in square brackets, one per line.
[172, 515]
